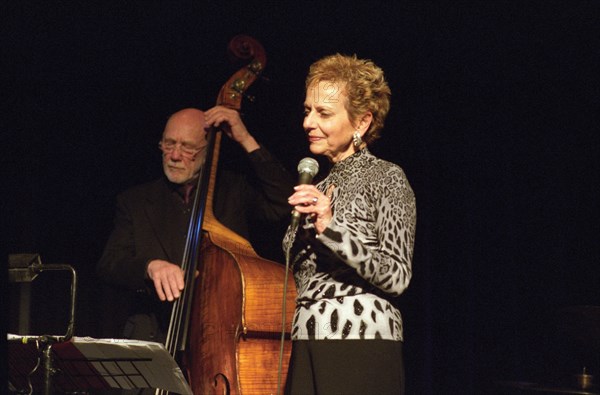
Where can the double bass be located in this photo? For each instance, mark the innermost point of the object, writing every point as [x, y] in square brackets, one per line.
[226, 329]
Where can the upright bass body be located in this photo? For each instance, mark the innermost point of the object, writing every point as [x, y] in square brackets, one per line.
[235, 318]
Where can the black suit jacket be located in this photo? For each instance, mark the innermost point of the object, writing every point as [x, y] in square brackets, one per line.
[151, 223]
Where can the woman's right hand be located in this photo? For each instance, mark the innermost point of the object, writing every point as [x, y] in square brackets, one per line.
[307, 199]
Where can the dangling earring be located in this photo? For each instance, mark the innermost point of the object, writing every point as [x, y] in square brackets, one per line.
[356, 139]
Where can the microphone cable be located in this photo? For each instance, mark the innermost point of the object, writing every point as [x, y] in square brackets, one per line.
[287, 249]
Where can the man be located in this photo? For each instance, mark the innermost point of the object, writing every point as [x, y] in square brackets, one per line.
[145, 249]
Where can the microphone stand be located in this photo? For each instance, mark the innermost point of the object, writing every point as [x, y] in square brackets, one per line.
[18, 273]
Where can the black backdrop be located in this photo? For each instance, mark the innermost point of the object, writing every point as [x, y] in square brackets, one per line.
[494, 119]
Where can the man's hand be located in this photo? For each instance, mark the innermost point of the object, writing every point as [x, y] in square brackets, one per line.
[231, 124]
[168, 279]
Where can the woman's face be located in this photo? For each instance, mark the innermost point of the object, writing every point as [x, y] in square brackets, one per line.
[327, 122]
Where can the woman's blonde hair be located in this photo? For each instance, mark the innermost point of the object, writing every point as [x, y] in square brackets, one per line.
[364, 84]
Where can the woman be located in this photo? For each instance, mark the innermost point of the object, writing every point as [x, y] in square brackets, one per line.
[352, 253]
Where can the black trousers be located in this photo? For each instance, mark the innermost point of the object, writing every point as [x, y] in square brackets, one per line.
[345, 367]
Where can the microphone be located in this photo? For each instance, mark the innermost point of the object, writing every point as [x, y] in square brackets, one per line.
[307, 169]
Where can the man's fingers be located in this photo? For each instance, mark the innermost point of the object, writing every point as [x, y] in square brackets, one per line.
[159, 290]
[174, 287]
[169, 287]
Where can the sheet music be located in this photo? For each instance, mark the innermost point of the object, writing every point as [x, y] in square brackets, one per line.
[114, 363]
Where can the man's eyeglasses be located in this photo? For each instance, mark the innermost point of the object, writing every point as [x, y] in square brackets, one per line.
[167, 147]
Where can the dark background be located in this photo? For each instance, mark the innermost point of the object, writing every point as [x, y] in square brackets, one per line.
[494, 119]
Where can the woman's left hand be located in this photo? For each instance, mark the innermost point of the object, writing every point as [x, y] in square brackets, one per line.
[310, 201]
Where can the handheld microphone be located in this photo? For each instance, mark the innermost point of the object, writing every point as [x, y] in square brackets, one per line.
[307, 169]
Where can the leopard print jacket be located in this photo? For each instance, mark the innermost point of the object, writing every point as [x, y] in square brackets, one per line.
[348, 276]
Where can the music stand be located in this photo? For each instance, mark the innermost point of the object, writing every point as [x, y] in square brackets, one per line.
[81, 364]
[87, 364]
[25, 268]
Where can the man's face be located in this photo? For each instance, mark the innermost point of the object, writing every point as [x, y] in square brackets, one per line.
[184, 146]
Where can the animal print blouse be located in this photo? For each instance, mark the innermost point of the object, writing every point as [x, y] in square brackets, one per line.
[347, 277]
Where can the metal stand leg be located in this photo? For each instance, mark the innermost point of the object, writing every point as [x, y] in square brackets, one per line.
[48, 369]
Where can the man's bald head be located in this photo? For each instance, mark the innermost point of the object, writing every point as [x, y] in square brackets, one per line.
[185, 131]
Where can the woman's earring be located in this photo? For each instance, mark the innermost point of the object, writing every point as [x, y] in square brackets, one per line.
[356, 139]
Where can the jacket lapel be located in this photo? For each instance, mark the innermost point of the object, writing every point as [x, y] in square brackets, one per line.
[160, 210]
